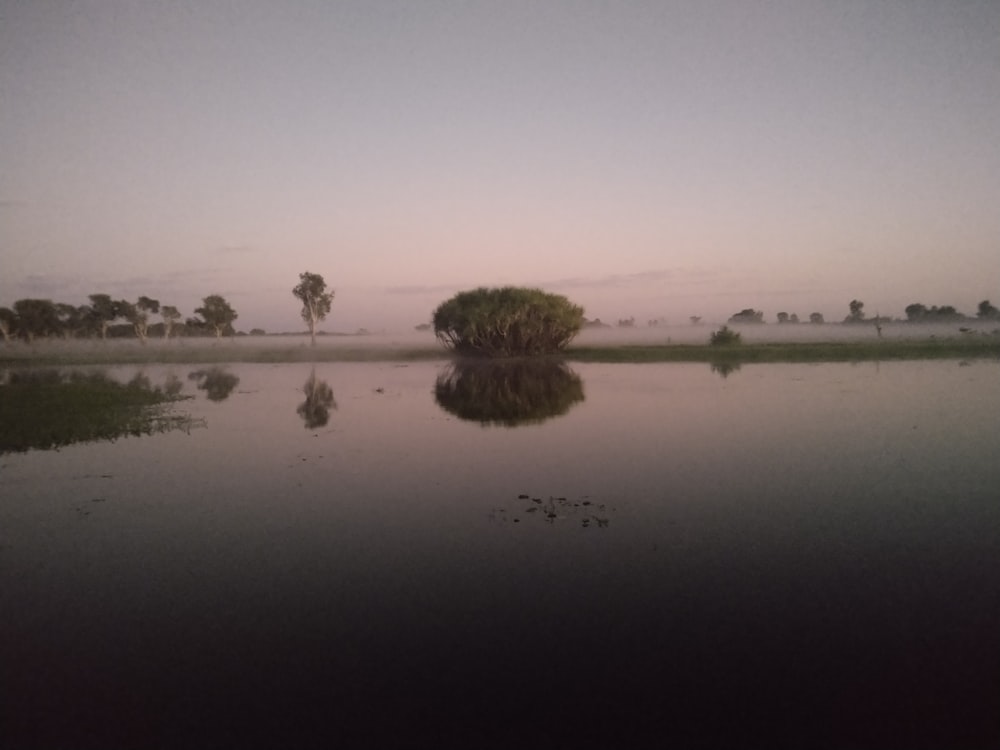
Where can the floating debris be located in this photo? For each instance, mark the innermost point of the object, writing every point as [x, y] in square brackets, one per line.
[560, 508]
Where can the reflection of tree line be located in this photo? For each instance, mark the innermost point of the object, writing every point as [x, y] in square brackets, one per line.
[45, 409]
[51, 408]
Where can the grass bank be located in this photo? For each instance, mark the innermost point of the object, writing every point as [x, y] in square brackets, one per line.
[196, 352]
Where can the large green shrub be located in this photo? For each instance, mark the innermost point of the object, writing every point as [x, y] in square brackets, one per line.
[506, 322]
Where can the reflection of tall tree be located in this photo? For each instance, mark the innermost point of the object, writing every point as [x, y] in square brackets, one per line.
[315, 410]
[172, 385]
[508, 393]
[724, 369]
[216, 382]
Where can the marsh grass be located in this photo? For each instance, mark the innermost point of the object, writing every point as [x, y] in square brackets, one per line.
[45, 409]
[832, 351]
[278, 350]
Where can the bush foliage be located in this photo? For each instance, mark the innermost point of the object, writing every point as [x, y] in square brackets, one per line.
[506, 322]
[725, 336]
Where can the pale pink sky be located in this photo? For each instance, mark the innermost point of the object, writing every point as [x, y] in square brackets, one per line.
[647, 159]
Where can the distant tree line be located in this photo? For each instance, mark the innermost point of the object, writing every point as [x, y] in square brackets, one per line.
[915, 313]
[104, 317]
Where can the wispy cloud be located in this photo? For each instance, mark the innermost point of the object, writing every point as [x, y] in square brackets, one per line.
[421, 289]
[616, 281]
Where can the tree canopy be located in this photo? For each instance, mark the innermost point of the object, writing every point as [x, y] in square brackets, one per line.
[316, 300]
[217, 314]
[508, 321]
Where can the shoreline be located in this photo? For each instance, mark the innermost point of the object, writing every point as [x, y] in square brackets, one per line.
[201, 351]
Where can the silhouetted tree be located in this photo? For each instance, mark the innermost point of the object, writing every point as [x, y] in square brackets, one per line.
[36, 317]
[8, 323]
[103, 312]
[138, 314]
[725, 336]
[987, 311]
[747, 315]
[816, 318]
[782, 317]
[217, 314]
[311, 290]
[72, 319]
[170, 316]
[857, 314]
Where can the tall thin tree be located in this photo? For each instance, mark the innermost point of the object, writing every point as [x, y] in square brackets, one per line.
[316, 300]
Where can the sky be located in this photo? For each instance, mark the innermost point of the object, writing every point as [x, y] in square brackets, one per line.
[654, 160]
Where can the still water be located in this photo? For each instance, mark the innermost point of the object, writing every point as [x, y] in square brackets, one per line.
[418, 555]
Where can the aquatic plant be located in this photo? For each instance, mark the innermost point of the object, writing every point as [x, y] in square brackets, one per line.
[45, 409]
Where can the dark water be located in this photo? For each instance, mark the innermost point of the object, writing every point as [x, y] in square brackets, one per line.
[622, 556]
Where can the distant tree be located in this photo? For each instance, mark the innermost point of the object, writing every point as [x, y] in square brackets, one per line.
[36, 317]
[945, 313]
[816, 318]
[782, 317]
[725, 336]
[626, 322]
[747, 315]
[934, 314]
[422, 327]
[217, 314]
[695, 320]
[794, 318]
[72, 319]
[987, 311]
[857, 314]
[170, 316]
[138, 315]
[104, 311]
[258, 332]
[8, 323]
[316, 301]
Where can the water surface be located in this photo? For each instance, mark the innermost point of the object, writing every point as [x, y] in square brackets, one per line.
[645, 555]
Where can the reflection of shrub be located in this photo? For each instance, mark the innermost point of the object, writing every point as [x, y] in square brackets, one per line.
[725, 336]
[507, 322]
[508, 393]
